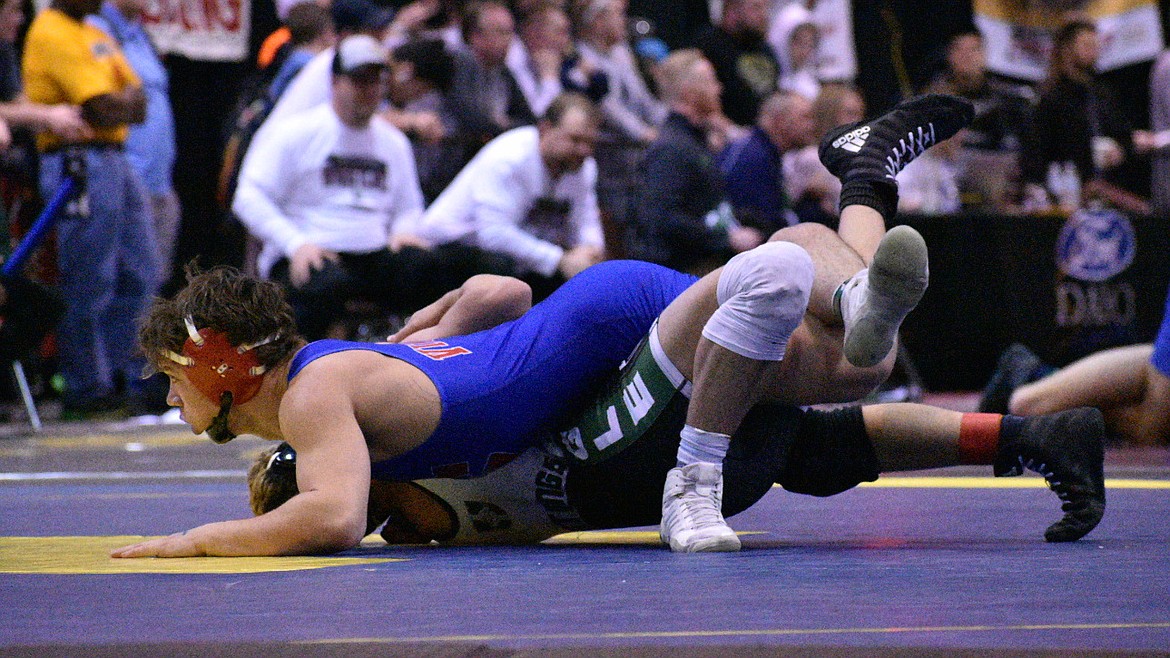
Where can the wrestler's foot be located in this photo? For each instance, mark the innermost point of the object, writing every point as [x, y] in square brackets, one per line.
[877, 150]
[1017, 366]
[876, 300]
[691, 516]
[1068, 449]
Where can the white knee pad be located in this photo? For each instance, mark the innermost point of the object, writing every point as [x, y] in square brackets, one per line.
[762, 295]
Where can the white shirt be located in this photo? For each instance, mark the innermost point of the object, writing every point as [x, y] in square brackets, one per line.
[538, 91]
[629, 106]
[488, 204]
[310, 87]
[316, 180]
[929, 185]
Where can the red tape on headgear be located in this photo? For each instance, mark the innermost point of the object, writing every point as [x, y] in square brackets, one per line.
[215, 366]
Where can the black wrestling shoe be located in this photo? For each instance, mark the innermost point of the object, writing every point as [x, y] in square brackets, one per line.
[1017, 366]
[877, 150]
[1068, 449]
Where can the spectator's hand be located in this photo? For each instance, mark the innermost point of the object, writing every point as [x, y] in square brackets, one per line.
[1143, 141]
[5, 135]
[427, 126]
[743, 238]
[721, 130]
[65, 121]
[649, 135]
[1035, 199]
[307, 259]
[411, 17]
[548, 63]
[1107, 153]
[578, 258]
[401, 240]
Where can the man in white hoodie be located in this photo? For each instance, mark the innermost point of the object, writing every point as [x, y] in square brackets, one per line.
[332, 195]
[529, 196]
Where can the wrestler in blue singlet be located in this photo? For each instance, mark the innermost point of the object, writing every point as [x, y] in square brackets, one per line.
[1161, 356]
[503, 388]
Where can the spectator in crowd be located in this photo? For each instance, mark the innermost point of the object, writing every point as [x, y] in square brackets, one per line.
[682, 220]
[332, 195]
[421, 73]
[631, 113]
[484, 97]
[930, 184]
[529, 196]
[18, 163]
[536, 57]
[795, 42]
[427, 20]
[105, 243]
[753, 166]
[1156, 141]
[310, 30]
[743, 58]
[276, 46]
[991, 144]
[545, 28]
[1077, 120]
[311, 33]
[312, 84]
[150, 146]
[814, 192]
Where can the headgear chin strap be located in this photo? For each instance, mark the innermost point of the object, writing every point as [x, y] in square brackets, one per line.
[223, 372]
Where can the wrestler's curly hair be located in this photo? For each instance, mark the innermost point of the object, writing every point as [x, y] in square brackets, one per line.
[269, 488]
[245, 308]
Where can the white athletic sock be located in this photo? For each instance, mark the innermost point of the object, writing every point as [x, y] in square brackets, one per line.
[702, 446]
[852, 296]
[856, 294]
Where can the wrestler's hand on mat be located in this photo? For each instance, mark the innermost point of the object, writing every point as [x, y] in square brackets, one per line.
[180, 544]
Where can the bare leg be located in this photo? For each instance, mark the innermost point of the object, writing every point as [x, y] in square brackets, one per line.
[834, 259]
[862, 228]
[1067, 448]
[908, 437]
[761, 297]
[1121, 382]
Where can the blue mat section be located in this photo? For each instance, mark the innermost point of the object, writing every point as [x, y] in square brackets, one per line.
[877, 567]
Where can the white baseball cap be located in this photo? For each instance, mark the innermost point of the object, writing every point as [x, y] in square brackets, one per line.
[357, 51]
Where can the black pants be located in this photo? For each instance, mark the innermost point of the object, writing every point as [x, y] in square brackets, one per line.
[398, 282]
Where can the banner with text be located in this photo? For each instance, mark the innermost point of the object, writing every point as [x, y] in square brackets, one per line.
[1018, 33]
[204, 30]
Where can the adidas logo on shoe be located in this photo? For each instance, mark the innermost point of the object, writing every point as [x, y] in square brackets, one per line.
[852, 141]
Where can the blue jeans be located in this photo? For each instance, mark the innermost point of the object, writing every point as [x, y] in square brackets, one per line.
[109, 271]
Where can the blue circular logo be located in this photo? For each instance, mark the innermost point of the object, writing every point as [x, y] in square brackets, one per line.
[1096, 245]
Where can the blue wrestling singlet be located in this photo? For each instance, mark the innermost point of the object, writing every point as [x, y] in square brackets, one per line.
[504, 388]
[1161, 356]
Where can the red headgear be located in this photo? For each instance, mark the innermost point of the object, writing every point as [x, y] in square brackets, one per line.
[215, 366]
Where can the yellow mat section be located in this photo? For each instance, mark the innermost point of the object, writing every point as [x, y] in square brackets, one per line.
[90, 555]
[627, 537]
[1025, 482]
[761, 632]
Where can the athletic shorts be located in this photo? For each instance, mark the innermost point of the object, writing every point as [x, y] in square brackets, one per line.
[619, 452]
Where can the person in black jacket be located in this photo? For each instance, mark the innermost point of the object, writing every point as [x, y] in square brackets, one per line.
[743, 59]
[1077, 119]
[682, 220]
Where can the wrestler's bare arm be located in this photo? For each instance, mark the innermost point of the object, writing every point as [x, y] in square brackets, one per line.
[333, 476]
[483, 302]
